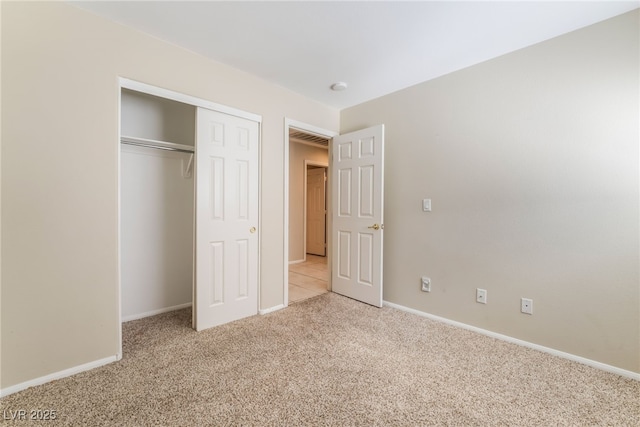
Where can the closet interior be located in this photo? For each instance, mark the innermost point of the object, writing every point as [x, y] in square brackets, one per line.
[156, 204]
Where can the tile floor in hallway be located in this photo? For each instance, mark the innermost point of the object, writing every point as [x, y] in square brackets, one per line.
[308, 279]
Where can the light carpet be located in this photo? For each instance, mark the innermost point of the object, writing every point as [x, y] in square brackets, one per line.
[330, 361]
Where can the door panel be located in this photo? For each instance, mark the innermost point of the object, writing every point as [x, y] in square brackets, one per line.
[357, 223]
[226, 287]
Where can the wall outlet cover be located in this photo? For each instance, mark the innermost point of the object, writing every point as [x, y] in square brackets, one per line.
[526, 305]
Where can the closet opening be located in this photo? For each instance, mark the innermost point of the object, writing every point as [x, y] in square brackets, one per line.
[307, 247]
[157, 138]
[188, 207]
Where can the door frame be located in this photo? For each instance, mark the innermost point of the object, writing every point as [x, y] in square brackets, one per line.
[324, 166]
[325, 133]
[125, 83]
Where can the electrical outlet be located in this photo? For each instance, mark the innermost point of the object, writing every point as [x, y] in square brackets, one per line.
[481, 296]
[426, 284]
[526, 305]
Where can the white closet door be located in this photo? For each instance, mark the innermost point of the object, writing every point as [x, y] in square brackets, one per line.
[226, 219]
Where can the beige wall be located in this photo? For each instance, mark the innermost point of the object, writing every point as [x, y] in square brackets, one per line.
[60, 172]
[531, 162]
[298, 153]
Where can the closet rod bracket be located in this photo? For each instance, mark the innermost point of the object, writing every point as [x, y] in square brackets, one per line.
[187, 172]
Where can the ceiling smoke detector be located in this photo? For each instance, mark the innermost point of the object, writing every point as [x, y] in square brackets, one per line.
[339, 86]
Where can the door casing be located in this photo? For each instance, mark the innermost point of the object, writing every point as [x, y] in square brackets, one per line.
[325, 133]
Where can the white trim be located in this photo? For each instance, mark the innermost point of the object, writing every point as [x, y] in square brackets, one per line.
[57, 375]
[186, 99]
[285, 228]
[594, 364]
[271, 309]
[119, 225]
[305, 127]
[259, 284]
[298, 261]
[154, 312]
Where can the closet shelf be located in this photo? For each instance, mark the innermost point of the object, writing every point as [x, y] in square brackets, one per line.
[152, 143]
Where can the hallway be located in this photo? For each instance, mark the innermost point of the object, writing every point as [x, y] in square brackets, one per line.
[308, 279]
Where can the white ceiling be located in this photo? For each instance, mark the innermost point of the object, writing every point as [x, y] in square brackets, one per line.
[376, 47]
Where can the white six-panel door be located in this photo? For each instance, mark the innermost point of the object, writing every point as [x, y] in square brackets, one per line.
[226, 219]
[316, 211]
[357, 178]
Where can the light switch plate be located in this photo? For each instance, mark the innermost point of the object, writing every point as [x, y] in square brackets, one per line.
[426, 205]
[481, 296]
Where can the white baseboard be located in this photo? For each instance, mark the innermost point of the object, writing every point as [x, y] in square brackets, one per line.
[57, 375]
[154, 312]
[298, 261]
[271, 309]
[594, 364]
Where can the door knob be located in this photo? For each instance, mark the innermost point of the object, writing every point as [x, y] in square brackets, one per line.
[374, 226]
[252, 230]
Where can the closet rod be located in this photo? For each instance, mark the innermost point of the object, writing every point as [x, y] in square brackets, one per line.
[140, 144]
[161, 145]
